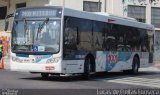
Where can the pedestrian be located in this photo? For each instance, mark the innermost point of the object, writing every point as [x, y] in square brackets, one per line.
[1, 49]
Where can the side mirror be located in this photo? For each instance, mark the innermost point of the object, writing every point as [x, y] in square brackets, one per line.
[7, 21]
[6, 25]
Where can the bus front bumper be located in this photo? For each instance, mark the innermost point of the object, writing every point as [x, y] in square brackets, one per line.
[39, 68]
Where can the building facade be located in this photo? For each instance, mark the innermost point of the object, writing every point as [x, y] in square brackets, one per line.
[147, 11]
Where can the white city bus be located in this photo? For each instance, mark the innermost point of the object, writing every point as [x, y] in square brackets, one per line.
[55, 40]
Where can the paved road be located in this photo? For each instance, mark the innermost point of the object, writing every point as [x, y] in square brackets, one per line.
[146, 79]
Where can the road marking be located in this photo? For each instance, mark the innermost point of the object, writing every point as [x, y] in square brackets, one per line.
[155, 83]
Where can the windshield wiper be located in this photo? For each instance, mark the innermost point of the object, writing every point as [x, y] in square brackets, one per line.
[26, 34]
[41, 27]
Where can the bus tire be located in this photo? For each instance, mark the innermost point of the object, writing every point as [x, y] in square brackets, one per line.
[87, 69]
[135, 66]
[44, 75]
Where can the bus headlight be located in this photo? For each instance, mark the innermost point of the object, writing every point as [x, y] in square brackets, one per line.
[53, 60]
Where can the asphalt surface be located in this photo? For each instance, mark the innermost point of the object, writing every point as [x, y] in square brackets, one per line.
[146, 79]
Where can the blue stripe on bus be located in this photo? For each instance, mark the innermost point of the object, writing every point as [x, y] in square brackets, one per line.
[22, 55]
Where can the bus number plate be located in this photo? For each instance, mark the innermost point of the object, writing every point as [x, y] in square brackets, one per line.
[49, 68]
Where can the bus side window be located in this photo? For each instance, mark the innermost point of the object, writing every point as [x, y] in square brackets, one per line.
[70, 37]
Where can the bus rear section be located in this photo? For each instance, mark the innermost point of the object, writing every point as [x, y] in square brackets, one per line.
[106, 43]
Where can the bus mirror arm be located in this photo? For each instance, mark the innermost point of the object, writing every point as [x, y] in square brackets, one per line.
[78, 38]
[6, 25]
[7, 22]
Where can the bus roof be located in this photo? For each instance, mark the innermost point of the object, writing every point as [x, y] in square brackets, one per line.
[100, 16]
[105, 17]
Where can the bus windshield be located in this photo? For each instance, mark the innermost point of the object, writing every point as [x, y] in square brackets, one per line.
[39, 36]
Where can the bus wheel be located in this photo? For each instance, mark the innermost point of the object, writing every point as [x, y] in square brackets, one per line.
[44, 75]
[135, 66]
[87, 69]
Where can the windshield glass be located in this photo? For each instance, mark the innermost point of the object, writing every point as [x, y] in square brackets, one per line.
[36, 36]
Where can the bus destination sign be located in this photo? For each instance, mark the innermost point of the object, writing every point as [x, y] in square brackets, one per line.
[31, 13]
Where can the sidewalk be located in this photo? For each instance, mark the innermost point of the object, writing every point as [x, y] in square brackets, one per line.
[154, 68]
[6, 62]
[157, 65]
